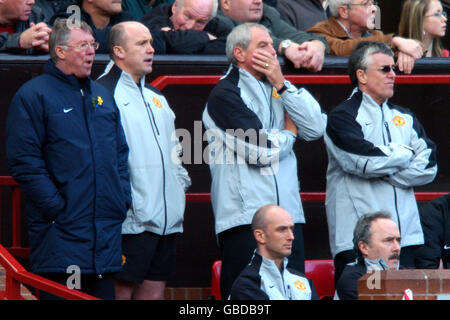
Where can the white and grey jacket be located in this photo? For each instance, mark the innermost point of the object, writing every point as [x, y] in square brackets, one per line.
[251, 156]
[262, 280]
[376, 155]
[158, 180]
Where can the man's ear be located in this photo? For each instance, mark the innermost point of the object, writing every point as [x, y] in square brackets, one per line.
[364, 248]
[60, 52]
[239, 54]
[343, 12]
[225, 5]
[361, 76]
[119, 52]
[259, 235]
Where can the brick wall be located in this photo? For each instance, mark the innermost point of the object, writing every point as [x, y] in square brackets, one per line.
[391, 284]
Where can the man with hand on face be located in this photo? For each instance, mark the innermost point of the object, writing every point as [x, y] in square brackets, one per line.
[377, 153]
[158, 180]
[376, 240]
[267, 276]
[66, 147]
[22, 29]
[252, 119]
[353, 21]
[189, 27]
[304, 50]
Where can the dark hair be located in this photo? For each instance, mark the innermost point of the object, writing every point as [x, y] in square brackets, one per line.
[359, 58]
[362, 228]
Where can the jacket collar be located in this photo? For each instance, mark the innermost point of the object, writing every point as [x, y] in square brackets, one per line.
[340, 31]
[54, 71]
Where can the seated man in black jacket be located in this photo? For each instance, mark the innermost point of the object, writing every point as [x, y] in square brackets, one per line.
[189, 27]
[100, 15]
[376, 238]
[22, 29]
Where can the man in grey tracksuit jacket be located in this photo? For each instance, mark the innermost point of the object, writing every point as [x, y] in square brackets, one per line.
[377, 153]
[259, 167]
[158, 180]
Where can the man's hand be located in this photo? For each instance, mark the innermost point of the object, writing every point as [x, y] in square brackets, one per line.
[289, 124]
[314, 55]
[405, 62]
[37, 35]
[411, 47]
[266, 63]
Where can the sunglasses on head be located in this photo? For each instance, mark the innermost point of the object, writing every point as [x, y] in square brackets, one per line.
[387, 69]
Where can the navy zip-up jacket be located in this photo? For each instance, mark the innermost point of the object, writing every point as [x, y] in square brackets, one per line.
[66, 147]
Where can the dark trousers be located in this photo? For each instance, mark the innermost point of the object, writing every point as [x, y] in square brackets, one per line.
[91, 284]
[237, 246]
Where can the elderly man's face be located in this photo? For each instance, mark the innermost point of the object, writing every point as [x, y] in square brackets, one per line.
[191, 15]
[79, 57]
[379, 78]
[384, 243]
[361, 13]
[109, 7]
[243, 10]
[16, 10]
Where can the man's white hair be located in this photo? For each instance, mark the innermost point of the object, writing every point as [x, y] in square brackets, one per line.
[334, 4]
[214, 10]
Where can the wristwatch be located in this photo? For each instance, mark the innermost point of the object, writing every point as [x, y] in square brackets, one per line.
[284, 45]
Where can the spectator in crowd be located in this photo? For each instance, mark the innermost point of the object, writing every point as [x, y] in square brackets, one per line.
[435, 219]
[66, 147]
[376, 239]
[267, 277]
[254, 99]
[353, 21]
[100, 15]
[22, 27]
[158, 182]
[302, 14]
[426, 21]
[377, 153]
[304, 50]
[189, 27]
[50, 7]
[138, 8]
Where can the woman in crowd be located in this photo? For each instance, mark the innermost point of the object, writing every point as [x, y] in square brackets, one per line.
[426, 21]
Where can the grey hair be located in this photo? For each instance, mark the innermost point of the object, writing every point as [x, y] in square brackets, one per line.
[180, 4]
[240, 36]
[360, 57]
[362, 228]
[259, 218]
[61, 33]
[334, 4]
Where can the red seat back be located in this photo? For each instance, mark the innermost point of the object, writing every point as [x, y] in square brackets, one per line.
[321, 272]
[215, 282]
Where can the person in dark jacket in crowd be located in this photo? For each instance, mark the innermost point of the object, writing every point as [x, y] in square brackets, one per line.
[50, 7]
[304, 50]
[435, 220]
[66, 147]
[138, 8]
[302, 14]
[376, 240]
[22, 27]
[100, 15]
[188, 27]
[267, 277]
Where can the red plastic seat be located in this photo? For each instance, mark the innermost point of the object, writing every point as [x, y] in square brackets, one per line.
[321, 272]
[215, 282]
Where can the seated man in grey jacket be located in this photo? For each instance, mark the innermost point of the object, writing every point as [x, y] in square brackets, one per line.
[22, 28]
[267, 276]
[304, 50]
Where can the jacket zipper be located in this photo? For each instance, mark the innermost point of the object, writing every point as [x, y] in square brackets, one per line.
[86, 115]
[151, 118]
[393, 187]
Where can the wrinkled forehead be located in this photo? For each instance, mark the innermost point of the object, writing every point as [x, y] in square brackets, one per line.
[380, 59]
[80, 35]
